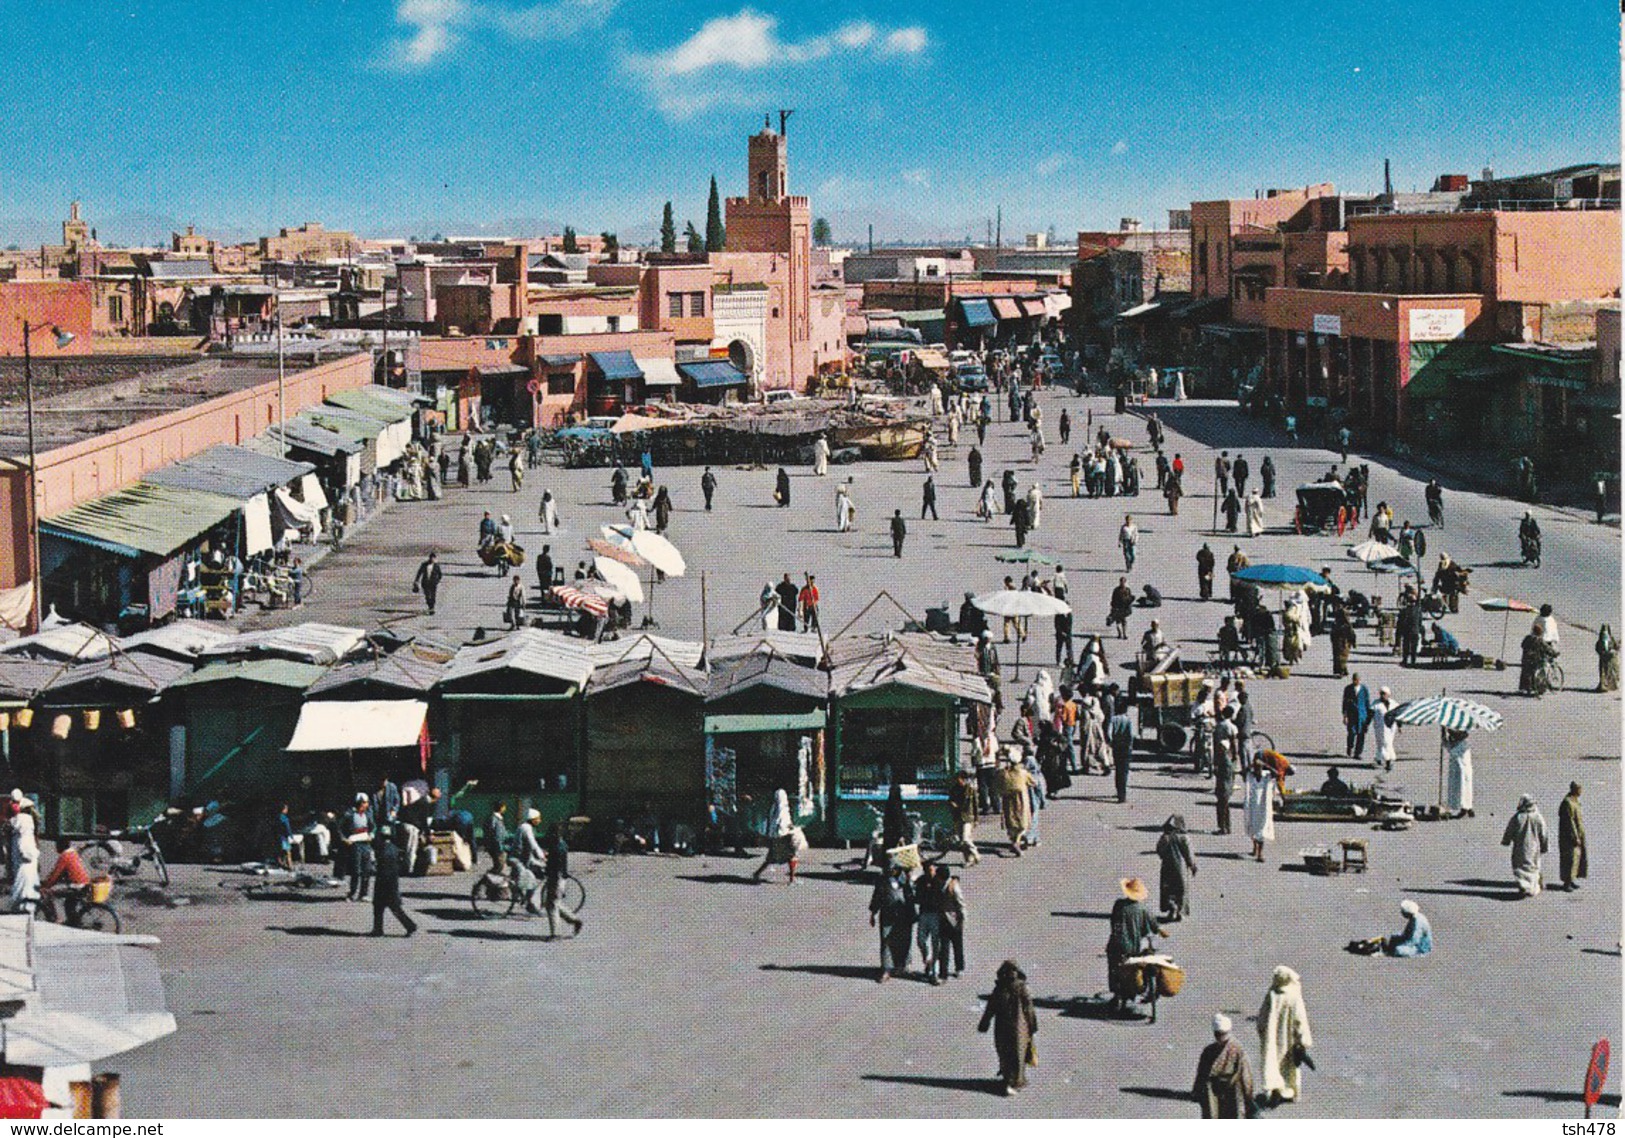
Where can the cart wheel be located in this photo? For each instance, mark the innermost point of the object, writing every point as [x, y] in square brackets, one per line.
[1173, 738]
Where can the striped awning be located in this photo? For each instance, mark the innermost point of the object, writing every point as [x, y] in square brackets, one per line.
[573, 598]
[1447, 711]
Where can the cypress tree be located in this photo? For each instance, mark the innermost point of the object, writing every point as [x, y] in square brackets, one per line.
[716, 237]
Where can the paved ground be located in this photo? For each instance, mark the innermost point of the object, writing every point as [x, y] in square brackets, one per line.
[693, 993]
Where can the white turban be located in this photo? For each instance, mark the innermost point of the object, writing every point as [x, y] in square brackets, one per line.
[1221, 1024]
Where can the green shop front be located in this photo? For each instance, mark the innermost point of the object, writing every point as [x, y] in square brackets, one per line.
[895, 718]
[511, 722]
[645, 743]
[765, 728]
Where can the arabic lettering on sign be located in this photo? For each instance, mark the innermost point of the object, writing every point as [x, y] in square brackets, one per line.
[1328, 325]
[1438, 323]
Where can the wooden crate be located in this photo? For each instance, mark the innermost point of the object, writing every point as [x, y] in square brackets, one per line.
[442, 867]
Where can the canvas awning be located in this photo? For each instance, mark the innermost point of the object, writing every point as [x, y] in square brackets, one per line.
[1139, 310]
[311, 487]
[143, 518]
[658, 372]
[1006, 308]
[1034, 306]
[359, 725]
[977, 313]
[616, 365]
[713, 373]
[257, 525]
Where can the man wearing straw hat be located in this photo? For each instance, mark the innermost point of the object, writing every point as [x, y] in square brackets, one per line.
[1132, 927]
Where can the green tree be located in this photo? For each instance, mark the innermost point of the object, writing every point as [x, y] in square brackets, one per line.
[570, 243]
[696, 242]
[612, 243]
[821, 232]
[716, 237]
[668, 231]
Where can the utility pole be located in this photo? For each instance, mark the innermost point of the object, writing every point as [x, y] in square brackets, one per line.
[998, 237]
[281, 395]
[33, 478]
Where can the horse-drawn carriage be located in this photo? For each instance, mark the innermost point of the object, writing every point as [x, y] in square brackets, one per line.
[1318, 506]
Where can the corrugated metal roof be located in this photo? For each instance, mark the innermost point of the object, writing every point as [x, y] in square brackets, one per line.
[274, 673]
[181, 270]
[311, 642]
[306, 435]
[403, 670]
[687, 653]
[64, 642]
[912, 660]
[22, 677]
[713, 373]
[745, 672]
[654, 669]
[141, 673]
[355, 425]
[236, 472]
[802, 647]
[181, 639]
[387, 403]
[532, 650]
[143, 518]
[616, 365]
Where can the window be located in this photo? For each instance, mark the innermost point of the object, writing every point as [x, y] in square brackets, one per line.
[561, 383]
[1201, 256]
[696, 304]
[115, 309]
[614, 323]
[675, 303]
[775, 313]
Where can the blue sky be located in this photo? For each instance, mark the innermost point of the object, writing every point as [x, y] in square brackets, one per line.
[398, 116]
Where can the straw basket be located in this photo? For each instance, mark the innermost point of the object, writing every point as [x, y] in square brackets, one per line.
[905, 857]
[1170, 979]
[25, 717]
[101, 888]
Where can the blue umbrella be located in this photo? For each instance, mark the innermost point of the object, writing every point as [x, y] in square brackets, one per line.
[1280, 577]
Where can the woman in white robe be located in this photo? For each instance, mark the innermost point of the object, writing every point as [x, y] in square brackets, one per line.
[820, 456]
[1260, 807]
[1255, 514]
[1458, 786]
[1035, 506]
[990, 503]
[843, 509]
[549, 512]
[1382, 733]
[1283, 1036]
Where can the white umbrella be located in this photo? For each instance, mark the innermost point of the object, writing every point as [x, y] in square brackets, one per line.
[1374, 552]
[622, 577]
[1020, 603]
[1450, 712]
[650, 546]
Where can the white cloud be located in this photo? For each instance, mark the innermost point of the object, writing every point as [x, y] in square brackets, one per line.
[905, 41]
[436, 28]
[704, 70]
[1052, 164]
[1120, 146]
[918, 177]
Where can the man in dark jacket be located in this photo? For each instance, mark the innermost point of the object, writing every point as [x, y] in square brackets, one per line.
[1120, 736]
[928, 499]
[427, 580]
[558, 868]
[708, 487]
[1356, 716]
[1224, 1079]
[974, 463]
[789, 596]
[892, 908]
[1008, 484]
[1204, 572]
[386, 887]
[899, 530]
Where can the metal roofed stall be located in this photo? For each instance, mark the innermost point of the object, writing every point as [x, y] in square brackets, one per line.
[241, 473]
[646, 743]
[512, 712]
[391, 736]
[311, 642]
[237, 717]
[896, 701]
[149, 524]
[765, 720]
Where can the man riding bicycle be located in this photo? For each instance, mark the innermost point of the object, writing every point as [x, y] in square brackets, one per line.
[69, 880]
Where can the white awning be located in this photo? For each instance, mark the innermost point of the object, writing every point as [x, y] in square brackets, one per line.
[392, 442]
[658, 372]
[311, 487]
[1140, 309]
[302, 512]
[359, 725]
[256, 525]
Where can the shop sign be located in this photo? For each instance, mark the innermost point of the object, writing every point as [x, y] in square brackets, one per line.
[1438, 324]
[1328, 325]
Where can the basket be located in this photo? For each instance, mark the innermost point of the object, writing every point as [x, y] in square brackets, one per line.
[101, 888]
[905, 857]
[1170, 979]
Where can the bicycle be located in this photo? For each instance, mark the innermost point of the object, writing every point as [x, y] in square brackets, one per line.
[83, 907]
[105, 857]
[1259, 741]
[1549, 677]
[498, 895]
[270, 880]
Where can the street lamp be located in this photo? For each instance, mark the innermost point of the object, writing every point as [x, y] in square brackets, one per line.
[63, 339]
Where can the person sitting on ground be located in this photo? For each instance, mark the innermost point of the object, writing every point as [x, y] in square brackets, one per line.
[1334, 786]
[1150, 598]
[1444, 643]
[1417, 937]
